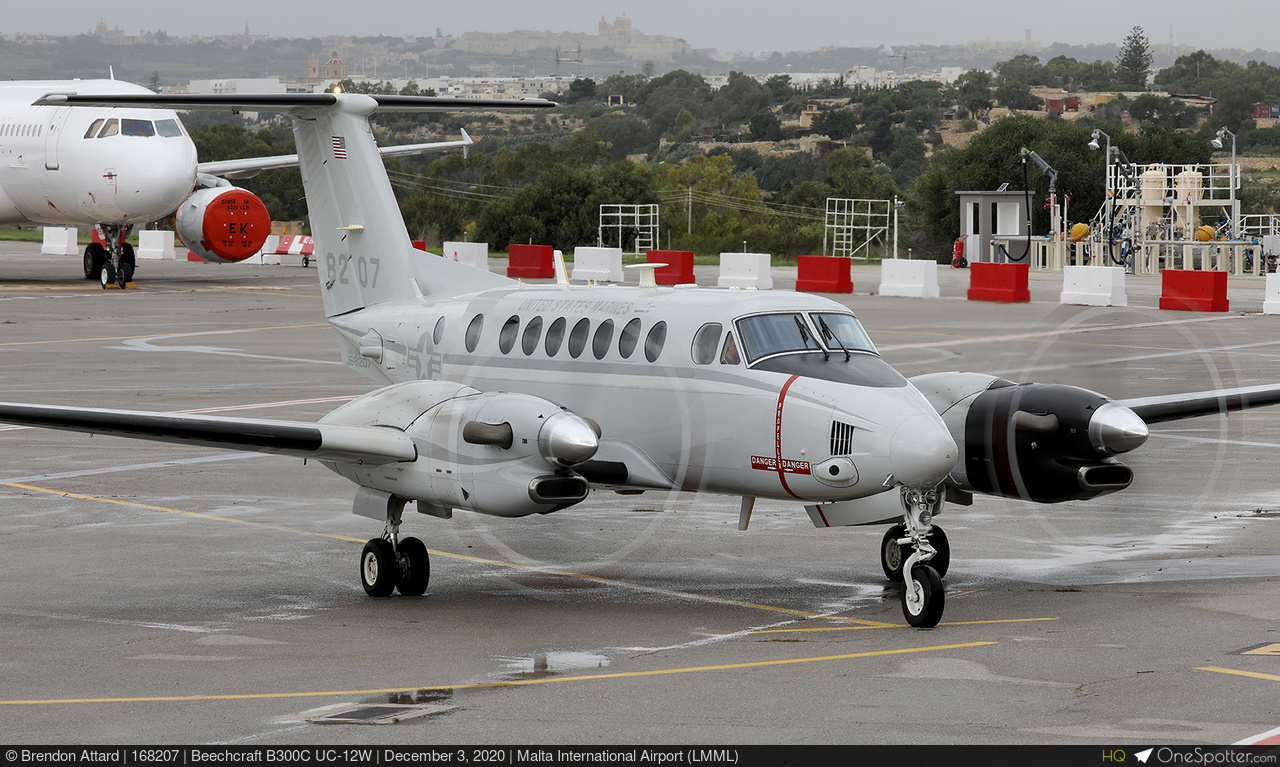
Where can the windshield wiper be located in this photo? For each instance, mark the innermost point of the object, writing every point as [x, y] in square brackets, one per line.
[805, 336]
[826, 332]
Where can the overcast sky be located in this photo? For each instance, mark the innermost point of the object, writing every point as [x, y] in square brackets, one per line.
[729, 25]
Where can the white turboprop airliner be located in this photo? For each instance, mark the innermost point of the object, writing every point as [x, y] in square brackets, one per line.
[511, 399]
[119, 167]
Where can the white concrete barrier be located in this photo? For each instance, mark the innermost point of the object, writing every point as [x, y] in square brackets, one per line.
[745, 270]
[599, 264]
[1093, 286]
[155, 245]
[912, 279]
[1272, 303]
[60, 241]
[470, 253]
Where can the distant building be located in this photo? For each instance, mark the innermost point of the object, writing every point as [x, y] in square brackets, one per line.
[332, 70]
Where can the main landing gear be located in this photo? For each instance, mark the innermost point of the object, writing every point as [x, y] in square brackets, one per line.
[114, 262]
[923, 597]
[393, 563]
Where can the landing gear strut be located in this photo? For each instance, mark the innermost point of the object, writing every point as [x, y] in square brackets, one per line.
[113, 262]
[390, 563]
[923, 597]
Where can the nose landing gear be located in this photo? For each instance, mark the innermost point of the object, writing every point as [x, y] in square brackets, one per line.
[923, 597]
[112, 261]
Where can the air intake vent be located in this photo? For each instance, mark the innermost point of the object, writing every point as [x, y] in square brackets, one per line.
[841, 438]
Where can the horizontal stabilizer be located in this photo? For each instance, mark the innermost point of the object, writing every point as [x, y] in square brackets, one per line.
[1175, 407]
[248, 167]
[297, 438]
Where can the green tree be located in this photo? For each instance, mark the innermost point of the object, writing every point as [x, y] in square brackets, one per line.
[1134, 60]
[973, 93]
[765, 126]
[835, 124]
[1017, 96]
[581, 89]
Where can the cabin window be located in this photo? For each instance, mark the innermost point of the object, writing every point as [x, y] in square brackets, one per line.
[843, 330]
[578, 337]
[604, 337]
[555, 336]
[131, 127]
[706, 342]
[768, 334]
[473, 332]
[654, 342]
[729, 353]
[111, 128]
[438, 333]
[629, 339]
[532, 332]
[507, 336]
[168, 128]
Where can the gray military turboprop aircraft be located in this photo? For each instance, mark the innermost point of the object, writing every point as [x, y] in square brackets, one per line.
[511, 399]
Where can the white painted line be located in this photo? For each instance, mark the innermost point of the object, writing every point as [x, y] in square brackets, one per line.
[1268, 738]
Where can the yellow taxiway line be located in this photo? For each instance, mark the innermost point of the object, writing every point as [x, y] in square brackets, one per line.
[513, 683]
[1253, 674]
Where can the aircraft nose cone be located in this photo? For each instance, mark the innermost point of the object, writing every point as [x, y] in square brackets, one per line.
[922, 453]
[566, 439]
[1116, 429]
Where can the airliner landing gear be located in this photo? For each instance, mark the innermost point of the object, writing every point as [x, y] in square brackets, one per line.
[114, 262]
[923, 597]
[892, 556]
[389, 563]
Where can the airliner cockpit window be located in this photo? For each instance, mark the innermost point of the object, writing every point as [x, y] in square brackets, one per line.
[93, 129]
[768, 334]
[131, 127]
[843, 331]
[168, 128]
[110, 129]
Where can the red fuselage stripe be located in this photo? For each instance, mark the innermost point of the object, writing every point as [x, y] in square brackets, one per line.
[777, 436]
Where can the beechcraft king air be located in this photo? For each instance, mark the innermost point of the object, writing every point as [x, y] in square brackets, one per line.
[509, 399]
[120, 166]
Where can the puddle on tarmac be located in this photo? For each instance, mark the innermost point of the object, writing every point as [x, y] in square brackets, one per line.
[547, 664]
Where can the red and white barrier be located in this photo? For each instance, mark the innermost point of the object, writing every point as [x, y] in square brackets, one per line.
[470, 253]
[530, 262]
[678, 269]
[1093, 286]
[1193, 291]
[1272, 303]
[60, 241]
[1003, 283]
[745, 270]
[599, 264]
[909, 278]
[824, 274]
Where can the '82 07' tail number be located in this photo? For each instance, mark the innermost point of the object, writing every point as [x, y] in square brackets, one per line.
[339, 269]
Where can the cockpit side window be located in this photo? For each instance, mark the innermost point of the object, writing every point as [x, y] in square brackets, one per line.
[93, 129]
[110, 129]
[768, 334]
[729, 354]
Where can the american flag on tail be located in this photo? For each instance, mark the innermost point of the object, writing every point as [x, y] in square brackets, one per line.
[339, 147]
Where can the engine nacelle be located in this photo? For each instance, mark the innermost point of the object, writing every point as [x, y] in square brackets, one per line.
[1039, 442]
[223, 223]
[496, 453]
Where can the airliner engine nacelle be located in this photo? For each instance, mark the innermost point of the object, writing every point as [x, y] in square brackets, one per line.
[1040, 442]
[495, 453]
[223, 223]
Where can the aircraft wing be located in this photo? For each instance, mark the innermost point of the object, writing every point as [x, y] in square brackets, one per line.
[1175, 407]
[376, 444]
[286, 102]
[248, 167]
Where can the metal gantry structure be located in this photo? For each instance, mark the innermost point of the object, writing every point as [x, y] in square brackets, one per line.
[852, 225]
[634, 228]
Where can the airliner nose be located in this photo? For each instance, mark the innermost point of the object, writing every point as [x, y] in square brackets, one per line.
[922, 452]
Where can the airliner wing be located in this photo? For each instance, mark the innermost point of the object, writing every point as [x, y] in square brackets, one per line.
[1175, 407]
[248, 167]
[375, 444]
[284, 102]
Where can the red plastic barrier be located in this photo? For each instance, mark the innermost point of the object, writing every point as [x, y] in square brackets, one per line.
[678, 269]
[531, 261]
[418, 244]
[1193, 291]
[1003, 283]
[825, 274]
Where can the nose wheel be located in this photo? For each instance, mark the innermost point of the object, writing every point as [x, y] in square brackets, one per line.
[918, 552]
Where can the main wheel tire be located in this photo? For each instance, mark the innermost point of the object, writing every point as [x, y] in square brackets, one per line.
[414, 568]
[942, 560]
[94, 257]
[923, 597]
[378, 568]
[891, 555]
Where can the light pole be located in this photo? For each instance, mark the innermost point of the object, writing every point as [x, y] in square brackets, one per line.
[1093, 144]
[1216, 143]
[896, 204]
